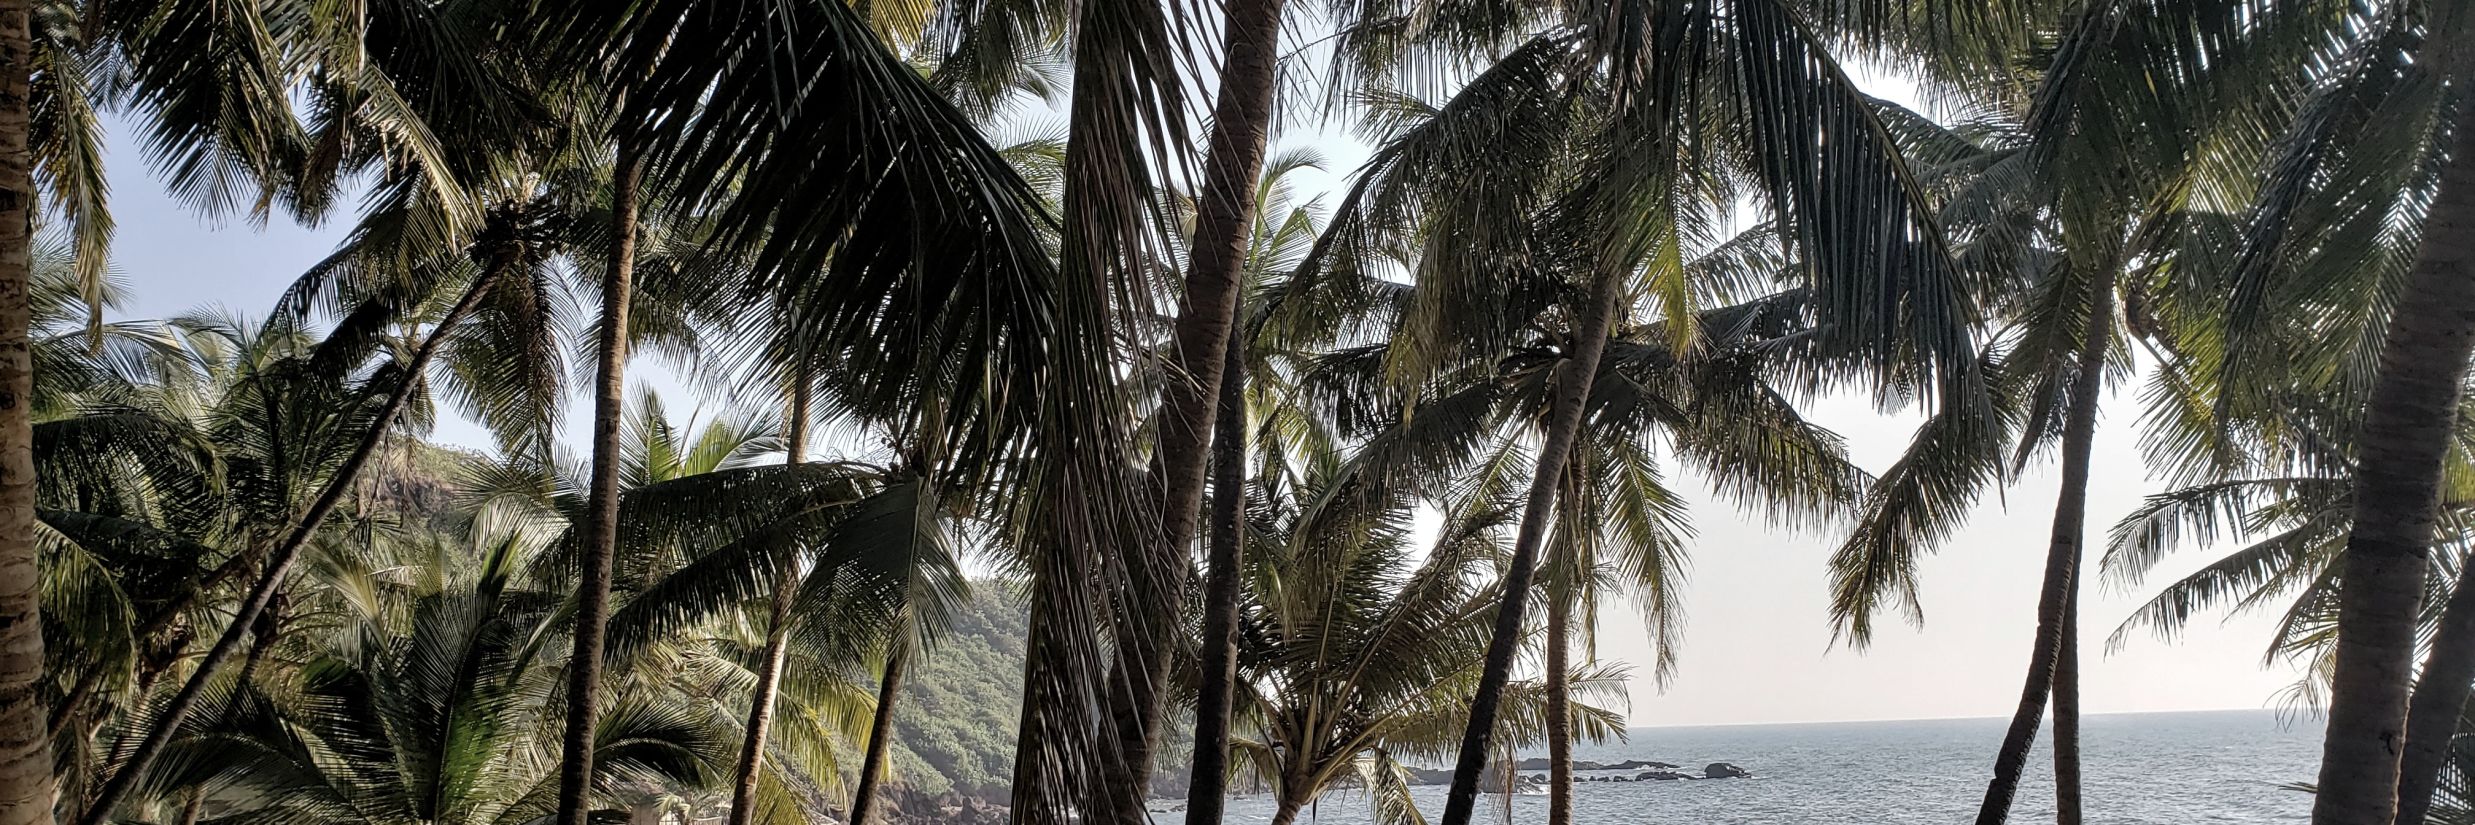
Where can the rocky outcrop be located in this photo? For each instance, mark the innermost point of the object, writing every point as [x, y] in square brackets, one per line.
[1647, 771]
[1493, 781]
[904, 807]
[1540, 763]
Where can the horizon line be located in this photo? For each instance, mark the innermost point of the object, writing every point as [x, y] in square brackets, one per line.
[2301, 712]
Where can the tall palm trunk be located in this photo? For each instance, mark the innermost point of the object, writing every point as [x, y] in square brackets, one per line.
[1222, 584]
[880, 734]
[1559, 703]
[1564, 414]
[601, 516]
[2440, 700]
[2062, 561]
[27, 791]
[2067, 710]
[777, 632]
[262, 592]
[1224, 222]
[2405, 438]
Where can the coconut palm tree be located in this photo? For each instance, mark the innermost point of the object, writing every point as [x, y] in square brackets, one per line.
[1283, 230]
[438, 715]
[513, 248]
[696, 94]
[1604, 194]
[1356, 649]
[2078, 266]
[2379, 102]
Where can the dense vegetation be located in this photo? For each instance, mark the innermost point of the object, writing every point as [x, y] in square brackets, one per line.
[1188, 420]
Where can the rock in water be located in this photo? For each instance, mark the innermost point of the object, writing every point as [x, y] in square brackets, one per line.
[1723, 770]
[1647, 776]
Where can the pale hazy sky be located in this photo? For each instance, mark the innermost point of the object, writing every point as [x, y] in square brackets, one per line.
[1757, 647]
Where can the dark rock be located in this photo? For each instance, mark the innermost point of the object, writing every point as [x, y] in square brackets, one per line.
[1663, 776]
[1723, 770]
[1635, 765]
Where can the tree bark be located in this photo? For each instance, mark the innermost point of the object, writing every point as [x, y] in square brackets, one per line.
[1223, 583]
[880, 734]
[2441, 690]
[1286, 810]
[1565, 412]
[27, 789]
[777, 630]
[1559, 700]
[2067, 709]
[2062, 561]
[195, 805]
[1215, 274]
[270, 580]
[2399, 454]
[600, 529]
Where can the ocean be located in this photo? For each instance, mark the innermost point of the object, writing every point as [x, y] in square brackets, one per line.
[2162, 768]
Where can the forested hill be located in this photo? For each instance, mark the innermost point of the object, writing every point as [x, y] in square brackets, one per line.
[956, 717]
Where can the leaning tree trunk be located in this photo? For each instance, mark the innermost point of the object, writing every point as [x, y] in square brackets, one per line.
[880, 734]
[1564, 415]
[2441, 690]
[1224, 224]
[27, 791]
[1560, 700]
[600, 530]
[2067, 709]
[2062, 561]
[2405, 438]
[1291, 799]
[1223, 583]
[262, 592]
[777, 631]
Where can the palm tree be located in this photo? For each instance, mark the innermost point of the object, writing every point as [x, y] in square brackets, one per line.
[777, 628]
[2400, 451]
[1283, 229]
[600, 528]
[25, 743]
[2083, 199]
[726, 104]
[508, 254]
[1210, 313]
[1605, 164]
[1356, 649]
[441, 718]
[218, 121]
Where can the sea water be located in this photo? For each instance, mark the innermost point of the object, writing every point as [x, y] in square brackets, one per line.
[2162, 768]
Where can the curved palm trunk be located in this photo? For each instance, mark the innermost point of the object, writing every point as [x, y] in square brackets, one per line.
[1572, 395]
[1224, 220]
[601, 519]
[777, 634]
[2062, 561]
[880, 735]
[2441, 690]
[270, 580]
[1215, 695]
[2400, 451]
[1293, 798]
[27, 789]
[1559, 706]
